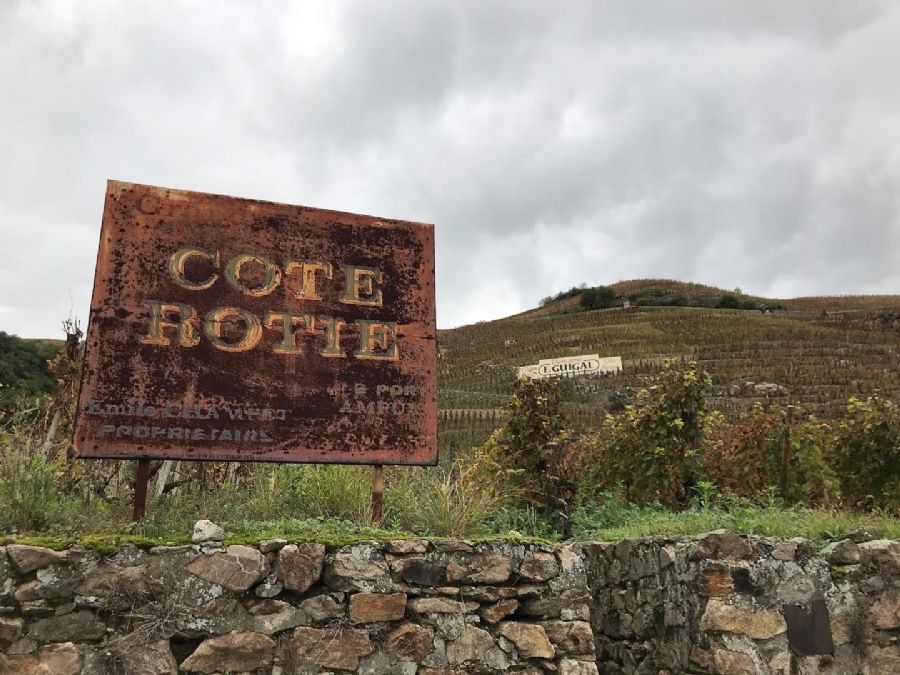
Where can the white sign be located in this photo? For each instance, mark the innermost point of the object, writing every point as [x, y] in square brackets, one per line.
[572, 366]
[569, 366]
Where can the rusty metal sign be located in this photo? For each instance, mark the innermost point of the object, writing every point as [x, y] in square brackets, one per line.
[240, 330]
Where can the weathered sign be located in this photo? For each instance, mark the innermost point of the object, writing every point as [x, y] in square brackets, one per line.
[232, 329]
[572, 366]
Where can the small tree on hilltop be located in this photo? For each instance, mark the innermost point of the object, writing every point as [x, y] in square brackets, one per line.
[599, 297]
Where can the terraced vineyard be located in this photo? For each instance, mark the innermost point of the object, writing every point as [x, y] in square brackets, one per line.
[799, 355]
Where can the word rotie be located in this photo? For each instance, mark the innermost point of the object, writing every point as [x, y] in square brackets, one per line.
[233, 329]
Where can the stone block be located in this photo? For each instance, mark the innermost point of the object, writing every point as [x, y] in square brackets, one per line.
[728, 662]
[206, 530]
[570, 637]
[530, 639]
[499, 610]
[29, 558]
[153, 658]
[715, 582]
[10, 630]
[406, 546]
[360, 567]
[299, 566]
[886, 610]
[237, 568]
[110, 581]
[884, 660]
[372, 607]
[472, 644]
[80, 626]
[59, 659]
[572, 667]
[487, 568]
[340, 648]
[18, 664]
[844, 552]
[551, 606]
[272, 545]
[410, 641]
[759, 624]
[721, 544]
[235, 652]
[538, 566]
[322, 608]
[881, 552]
[273, 616]
[441, 606]
[418, 570]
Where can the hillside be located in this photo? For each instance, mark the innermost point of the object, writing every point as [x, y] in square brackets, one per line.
[792, 355]
[670, 293]
[23, 368]
[816, 352]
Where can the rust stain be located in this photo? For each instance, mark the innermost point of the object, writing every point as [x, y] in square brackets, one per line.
[240, 330]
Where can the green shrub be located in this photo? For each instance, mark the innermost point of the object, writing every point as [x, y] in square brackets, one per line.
[31, 489]
[781, 450]
[525, 521]
[729, 301]
[327, 490]
[650, 448]
[438, 501]
[867, 452]
[531, 455]
[599, 297]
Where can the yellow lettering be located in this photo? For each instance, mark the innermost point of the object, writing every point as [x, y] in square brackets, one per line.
[176, 268]
[332, 348]
[233, 274]
[212, 327]
[359, 286]
[377, 340]
[287, 322]
[308, 269]
[158, 315]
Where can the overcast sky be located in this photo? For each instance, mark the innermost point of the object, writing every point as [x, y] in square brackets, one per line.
[743, 144]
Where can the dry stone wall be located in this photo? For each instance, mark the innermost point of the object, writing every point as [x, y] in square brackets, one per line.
[713, 604]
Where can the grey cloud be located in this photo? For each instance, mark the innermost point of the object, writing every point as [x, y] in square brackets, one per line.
[742, 144]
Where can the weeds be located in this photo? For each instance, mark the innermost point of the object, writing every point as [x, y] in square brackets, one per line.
[31, 488]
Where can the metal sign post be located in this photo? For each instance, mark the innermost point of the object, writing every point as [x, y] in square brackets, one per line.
[141, 478]
[226, 329]
[377, 491]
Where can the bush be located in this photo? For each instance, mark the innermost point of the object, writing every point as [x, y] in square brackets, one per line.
[729, 302]
[562, 295]
[32, 496]
[599, 297]
[765, 450]
[651, 448]
[867, 452]
[439, 501]
[531, 455]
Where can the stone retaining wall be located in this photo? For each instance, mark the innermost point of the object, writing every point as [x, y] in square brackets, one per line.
[713, 604]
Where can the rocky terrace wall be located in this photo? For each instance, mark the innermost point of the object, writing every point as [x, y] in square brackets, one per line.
[713, 604]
